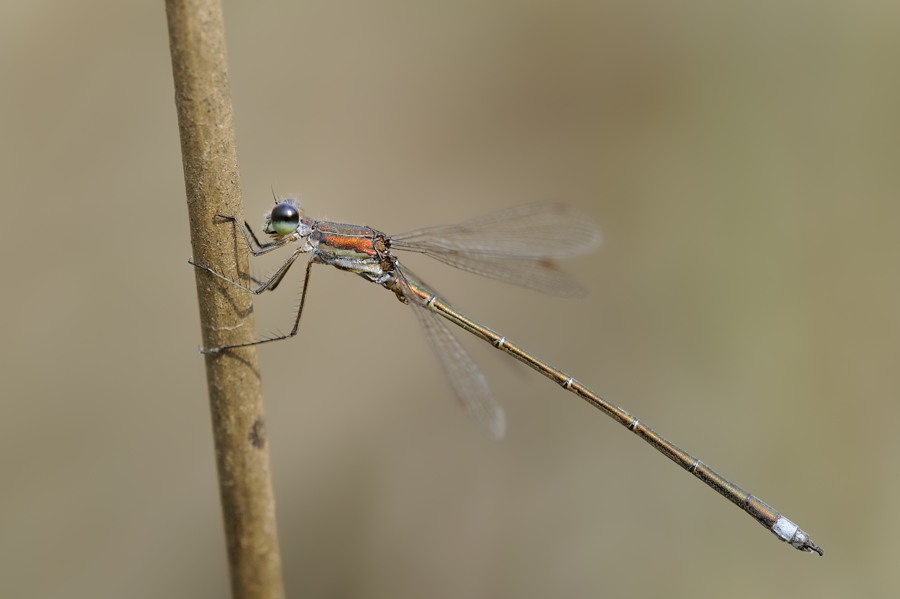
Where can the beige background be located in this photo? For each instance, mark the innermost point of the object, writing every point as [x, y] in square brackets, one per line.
[742, 161]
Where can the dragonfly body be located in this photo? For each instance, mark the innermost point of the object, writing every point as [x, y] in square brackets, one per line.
[517, 246]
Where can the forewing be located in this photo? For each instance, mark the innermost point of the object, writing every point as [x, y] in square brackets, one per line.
[532, 231]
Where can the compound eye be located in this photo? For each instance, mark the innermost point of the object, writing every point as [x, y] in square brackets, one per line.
[284, 219]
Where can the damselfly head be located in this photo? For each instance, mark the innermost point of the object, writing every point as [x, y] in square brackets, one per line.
[284, 218]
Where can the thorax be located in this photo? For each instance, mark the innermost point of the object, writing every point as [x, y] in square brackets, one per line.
[354, 248]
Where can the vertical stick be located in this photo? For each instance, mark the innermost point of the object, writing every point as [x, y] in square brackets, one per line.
[202, 98]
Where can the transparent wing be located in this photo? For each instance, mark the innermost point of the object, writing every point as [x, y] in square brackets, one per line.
[532, 231]
[467, 380]
[541, 275]
[517, 245]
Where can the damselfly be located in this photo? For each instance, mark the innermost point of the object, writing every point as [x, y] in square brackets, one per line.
[518, 246]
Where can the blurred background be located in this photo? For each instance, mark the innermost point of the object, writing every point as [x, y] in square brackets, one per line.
[741, 159]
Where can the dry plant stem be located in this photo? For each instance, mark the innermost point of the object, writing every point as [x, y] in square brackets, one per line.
[202, 98]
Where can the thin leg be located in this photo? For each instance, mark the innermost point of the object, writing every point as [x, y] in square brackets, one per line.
[277, 278]
[213, 350]
[252, 234]
[269, 283]
[251, 239]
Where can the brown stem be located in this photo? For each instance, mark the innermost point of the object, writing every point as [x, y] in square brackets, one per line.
[202, 98]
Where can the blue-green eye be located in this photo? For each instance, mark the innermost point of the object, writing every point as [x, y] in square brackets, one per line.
[284, 219]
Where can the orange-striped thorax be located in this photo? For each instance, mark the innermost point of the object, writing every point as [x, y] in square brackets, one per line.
[353, 248]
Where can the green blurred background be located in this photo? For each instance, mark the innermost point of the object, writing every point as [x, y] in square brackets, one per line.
[742, 160]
